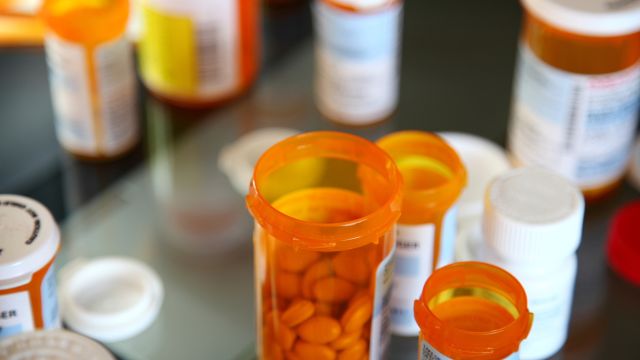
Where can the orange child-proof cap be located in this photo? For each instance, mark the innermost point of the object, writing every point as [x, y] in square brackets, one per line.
[473, 310]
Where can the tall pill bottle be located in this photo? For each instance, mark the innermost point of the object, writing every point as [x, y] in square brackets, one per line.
[92, 76]
[434, 178]
[357, 59]
[532, 228]
[29, 242]
[577, 86]
[471, 310]
[325, 205]
[199, 53]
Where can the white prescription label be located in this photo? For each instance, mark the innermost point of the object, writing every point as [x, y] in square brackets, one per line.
[427, 352]
[357, 60]
[15, 314]
[380, 335]
[580, 126]
[414, 265]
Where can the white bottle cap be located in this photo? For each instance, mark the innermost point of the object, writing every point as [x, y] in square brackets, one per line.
[109, 299]
[533, 215]
[29, 237]
[589, 17]
[52, 345]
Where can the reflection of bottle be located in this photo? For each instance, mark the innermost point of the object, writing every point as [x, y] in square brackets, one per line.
[92, 76]
[357, 59]
[199, 52]
[577, 86]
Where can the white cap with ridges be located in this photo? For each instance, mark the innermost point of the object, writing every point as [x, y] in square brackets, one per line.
[533, 215]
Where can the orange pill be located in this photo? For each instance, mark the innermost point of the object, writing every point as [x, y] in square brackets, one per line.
[309, 351]
[286, 337]
[360, 294]
[357, 315]
[287, 284]
[298, 312]
[333, 290]
[346, 340]
[294, 260]
[354, 352]
[290, 355]
[317, 271]
[319, 330]
[352, 266]
[324, 309]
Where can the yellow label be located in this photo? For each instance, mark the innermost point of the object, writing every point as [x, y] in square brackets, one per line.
[168, 58]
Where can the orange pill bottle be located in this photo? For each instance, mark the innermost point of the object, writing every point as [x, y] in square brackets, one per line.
[325, 205]
[199, 53]
[434, 177]
[576, 91]
[92, 76]
[472, 310]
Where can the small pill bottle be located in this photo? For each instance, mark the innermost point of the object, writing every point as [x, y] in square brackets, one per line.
[29, 242]
[434, 177]
[199, 53]
[325, 205]
[357, 59]
[92, 76]
[471, 310]
[576, 90]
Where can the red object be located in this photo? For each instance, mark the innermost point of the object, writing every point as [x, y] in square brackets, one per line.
[623, 248]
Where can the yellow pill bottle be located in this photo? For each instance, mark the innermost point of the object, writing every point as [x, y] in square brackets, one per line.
[472, 310]
[325, 205]
[92, 76]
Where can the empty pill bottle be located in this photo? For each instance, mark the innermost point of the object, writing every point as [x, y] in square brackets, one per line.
[472, 310]
[29, 242]
[434, 177]
[325, 206]
[199, 53]
[92, 76]
[357, 59]
[576, 91]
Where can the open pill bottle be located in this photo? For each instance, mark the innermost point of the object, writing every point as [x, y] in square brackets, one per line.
[325, 205]
[472, 310]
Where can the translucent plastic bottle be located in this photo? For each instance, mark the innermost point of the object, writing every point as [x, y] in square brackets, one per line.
[325, 205]
[92, 76]
[357, 59]
[434, 178]
[199, 53]
[577, 86]
[472, 310]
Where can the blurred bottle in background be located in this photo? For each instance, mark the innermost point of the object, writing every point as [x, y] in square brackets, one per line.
[19, 23]
[357, 59]
[577, 86]
[199, 53]
[92, 76]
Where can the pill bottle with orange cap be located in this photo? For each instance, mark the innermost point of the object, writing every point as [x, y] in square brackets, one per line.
[199, 53]
[576, 91]
[29, 242]
[325, 205]
[92, 76]
[472, 310]
[357, 59]
[434, 177]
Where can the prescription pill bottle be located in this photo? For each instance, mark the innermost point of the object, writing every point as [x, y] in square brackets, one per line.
[357, 59]
[325, 205]
[29, 241]
[199, 53]
[92, 76]
[434, 178]
[471, 310]
[576, 91]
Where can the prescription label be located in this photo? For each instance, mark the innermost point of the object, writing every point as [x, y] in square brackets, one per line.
[357, 63]
[414, 265]
[580, 126]
[50, 310]
[427, 352]
[15, 314]
[380, 335]
[116, 84]
[71, 94]
[191, 48]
